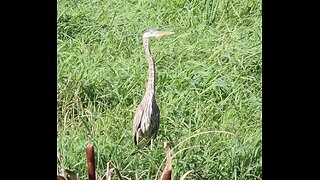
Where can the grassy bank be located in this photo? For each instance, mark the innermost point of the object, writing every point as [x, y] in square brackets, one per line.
[209, 77]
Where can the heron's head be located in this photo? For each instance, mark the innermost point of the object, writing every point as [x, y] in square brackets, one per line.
[153, 33]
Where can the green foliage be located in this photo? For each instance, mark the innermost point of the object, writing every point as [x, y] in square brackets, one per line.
[209, 77]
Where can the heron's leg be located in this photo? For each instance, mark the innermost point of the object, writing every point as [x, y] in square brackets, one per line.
[137, 161]
[151, 143]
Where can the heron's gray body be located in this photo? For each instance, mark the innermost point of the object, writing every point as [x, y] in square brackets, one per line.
[146, 120]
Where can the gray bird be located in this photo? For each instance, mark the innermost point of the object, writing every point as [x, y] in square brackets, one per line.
[147, 117]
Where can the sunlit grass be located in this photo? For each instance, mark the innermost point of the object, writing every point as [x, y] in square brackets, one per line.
[209, 78]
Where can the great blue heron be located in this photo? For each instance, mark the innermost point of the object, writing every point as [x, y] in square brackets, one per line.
[147, 118]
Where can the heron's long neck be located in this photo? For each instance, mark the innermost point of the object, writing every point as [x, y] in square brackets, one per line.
[152, 69]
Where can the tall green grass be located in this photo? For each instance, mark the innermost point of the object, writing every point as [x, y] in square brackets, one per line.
[209, 77]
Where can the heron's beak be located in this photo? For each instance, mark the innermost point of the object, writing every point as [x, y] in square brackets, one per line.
[164, 33]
